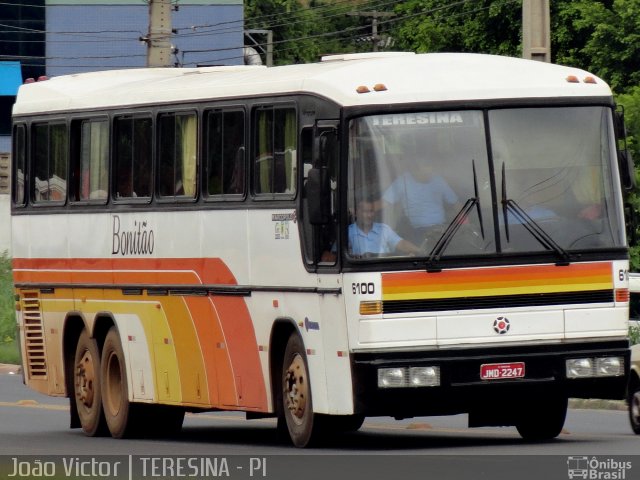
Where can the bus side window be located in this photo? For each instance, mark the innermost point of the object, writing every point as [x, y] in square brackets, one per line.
[19, 164]
[225, 154]
[275, 151]
[320, 240]
[49, 162]
[177, 155]
[132, 150]
[89, 160]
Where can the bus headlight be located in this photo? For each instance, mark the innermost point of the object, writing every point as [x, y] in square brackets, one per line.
[403, 377]
[595, 367]
[424, 376]
[609, 366]
[391, 378]
[579, 368]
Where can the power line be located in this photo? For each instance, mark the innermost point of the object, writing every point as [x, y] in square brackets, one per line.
[354, 33]
[395, 19]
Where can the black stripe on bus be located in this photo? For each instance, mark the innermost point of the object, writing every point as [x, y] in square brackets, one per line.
[180, 290]
[499, 301]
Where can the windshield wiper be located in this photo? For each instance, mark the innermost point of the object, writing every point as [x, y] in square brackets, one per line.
[456, 223]
[509, 205]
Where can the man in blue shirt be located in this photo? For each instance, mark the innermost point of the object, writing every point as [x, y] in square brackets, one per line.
[367, 237]
[423, 197]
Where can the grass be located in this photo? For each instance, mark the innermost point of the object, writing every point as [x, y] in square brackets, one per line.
[8, 345]
[9, 353]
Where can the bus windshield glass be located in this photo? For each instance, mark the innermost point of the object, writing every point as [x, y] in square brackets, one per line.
[468, 183]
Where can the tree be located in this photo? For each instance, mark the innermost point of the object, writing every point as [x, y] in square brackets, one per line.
[483, 26]
[600, 36]
[303, 34]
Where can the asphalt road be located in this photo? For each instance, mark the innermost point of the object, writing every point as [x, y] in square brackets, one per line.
[34, 424]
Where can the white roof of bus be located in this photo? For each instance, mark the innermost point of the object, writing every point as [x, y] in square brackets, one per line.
[407, 77]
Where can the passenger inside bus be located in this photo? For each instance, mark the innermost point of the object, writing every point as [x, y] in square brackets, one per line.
[425, 198]
[367, 237]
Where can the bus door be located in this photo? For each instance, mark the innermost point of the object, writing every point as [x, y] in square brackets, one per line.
[319, 213]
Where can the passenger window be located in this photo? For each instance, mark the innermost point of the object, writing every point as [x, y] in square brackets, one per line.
[132, 149]
[20, 163]
[177, 155]
[225, 154]
[275, 151]
[90, 160]
[50, 153]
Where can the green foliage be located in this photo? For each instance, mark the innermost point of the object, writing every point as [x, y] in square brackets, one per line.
[600, 36]
[7, 303]
[484, 26]
[9, 353]
[302, 34]
[634, 335]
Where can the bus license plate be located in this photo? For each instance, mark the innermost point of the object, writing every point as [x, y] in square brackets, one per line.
[493, 371]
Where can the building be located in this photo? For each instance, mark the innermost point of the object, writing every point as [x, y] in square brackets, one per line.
[10, 80]
[87, 35]
[60, 37]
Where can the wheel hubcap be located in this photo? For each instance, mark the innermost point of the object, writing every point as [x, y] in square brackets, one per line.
[295, 389]
[85, 376]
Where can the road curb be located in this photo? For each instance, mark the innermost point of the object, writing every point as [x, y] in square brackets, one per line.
[597, 404]
[10, 369]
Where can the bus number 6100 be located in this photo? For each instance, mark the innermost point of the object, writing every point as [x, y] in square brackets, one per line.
[363, 288]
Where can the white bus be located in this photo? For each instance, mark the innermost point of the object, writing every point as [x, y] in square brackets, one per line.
[373, 235]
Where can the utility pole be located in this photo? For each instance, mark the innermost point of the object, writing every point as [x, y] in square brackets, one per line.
[374, 15]
[536, 36]
[159, 38]
[268, 51]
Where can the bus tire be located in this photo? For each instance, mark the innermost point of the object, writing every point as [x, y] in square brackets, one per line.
[297, 405]
[87, 386]
[544, 420]
[115, 391]
[634, 404]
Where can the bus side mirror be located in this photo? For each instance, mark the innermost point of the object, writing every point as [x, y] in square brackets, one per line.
[627, 169]
[625, 162]
[631, 224]
[318, 196]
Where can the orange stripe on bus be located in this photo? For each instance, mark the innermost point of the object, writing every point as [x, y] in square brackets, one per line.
[233, 374]
[574, 277]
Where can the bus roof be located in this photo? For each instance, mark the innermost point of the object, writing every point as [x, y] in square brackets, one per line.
[407, 78]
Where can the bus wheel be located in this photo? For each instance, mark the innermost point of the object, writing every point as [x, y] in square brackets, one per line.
[543, 421]
[87, 386]
[296, 393]
[634, 406]
[115, 397]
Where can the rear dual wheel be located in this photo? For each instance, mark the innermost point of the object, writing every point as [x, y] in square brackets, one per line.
[87, 387]
[126, 419]
[115, 396]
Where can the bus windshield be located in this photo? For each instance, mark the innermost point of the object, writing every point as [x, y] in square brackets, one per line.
[464, 183]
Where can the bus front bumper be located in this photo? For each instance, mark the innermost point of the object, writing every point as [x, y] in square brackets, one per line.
[420, 383]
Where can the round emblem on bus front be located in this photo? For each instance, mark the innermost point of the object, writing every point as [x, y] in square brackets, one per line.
[501, 325]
